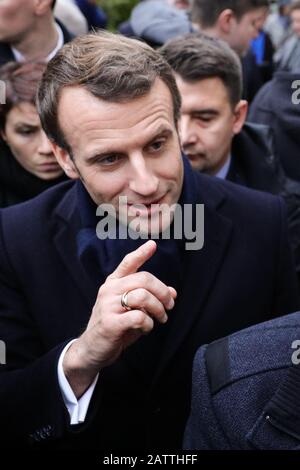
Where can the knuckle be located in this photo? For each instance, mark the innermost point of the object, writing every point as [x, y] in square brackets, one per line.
[148, 325]
[141, 296]
[164, 294]
[145, 277]
[139, 319]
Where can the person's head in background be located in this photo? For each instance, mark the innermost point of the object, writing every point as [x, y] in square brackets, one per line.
[295, 17]
[28, 26]
[20, 125]
[284, 7]
[180, 4]
[234, 21]
[209, 78]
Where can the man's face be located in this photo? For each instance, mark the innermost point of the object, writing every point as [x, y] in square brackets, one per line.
[208, 123]
[16, 19]
[123, 149]
[295, 18]
[243, 31]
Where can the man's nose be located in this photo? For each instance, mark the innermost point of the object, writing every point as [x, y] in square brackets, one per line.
[143, 180]
[255, 32]
[44, 144]
[187, 132]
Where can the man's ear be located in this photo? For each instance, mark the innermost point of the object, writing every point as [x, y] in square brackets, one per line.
[240, 114]
[3, 135]
[42, 6]
[225, 21]
[65, 161]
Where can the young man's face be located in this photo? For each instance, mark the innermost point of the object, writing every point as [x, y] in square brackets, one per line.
[123, 149]
[295, 18]
[208, 123]
[243, 31]
[16, 19]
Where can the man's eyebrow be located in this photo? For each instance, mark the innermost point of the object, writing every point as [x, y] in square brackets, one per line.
[211, 111]
[162, 131]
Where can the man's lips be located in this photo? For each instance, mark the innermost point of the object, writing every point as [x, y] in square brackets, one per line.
[195, 156]
[157, 200]
[146, 207]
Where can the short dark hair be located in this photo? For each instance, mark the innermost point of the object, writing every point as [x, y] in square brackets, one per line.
[295, 5]
[196, 56]
[109, 66]
[206, 12]
[21, 82]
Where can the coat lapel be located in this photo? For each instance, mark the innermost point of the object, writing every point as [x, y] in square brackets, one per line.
[6, 54]
[67, 226]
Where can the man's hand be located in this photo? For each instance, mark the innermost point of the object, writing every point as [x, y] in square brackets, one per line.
[111, 328]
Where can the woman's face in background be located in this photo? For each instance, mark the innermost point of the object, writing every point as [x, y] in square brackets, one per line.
[28, 142]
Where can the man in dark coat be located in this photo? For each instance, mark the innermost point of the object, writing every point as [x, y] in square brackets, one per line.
[246, 390]
[277, 105]
[99, 353]
[28, 31]
[212, 126]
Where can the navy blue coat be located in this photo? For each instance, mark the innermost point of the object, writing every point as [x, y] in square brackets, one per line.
[246, 390]
[243, 275]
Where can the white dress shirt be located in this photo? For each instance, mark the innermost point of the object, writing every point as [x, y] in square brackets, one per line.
[77, 408]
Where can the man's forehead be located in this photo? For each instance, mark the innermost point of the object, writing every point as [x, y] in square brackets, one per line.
[210, 89]
[88, 122]
[78, 105]
[254, 14]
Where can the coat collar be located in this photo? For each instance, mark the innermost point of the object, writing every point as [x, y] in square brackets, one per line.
[6, 54]
[67, 224]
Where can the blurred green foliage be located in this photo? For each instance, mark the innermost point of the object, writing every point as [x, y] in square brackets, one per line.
[117, 11]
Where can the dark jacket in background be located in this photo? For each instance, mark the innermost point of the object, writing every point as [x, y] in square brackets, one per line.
[95, 16]
[243, 275]
[253, 160]
[16, 184]
[246, 390]
[255, 164]
[252, 77]
[274, 107]
[6, 54]
[263, 50]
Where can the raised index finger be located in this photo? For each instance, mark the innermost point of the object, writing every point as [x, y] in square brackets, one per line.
[134, 260]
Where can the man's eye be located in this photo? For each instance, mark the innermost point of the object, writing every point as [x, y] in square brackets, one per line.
[155, 146]
[205, 119]
[109, 160]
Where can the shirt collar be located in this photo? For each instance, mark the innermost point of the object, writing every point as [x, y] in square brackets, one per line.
[60, 42]
[223, 172]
